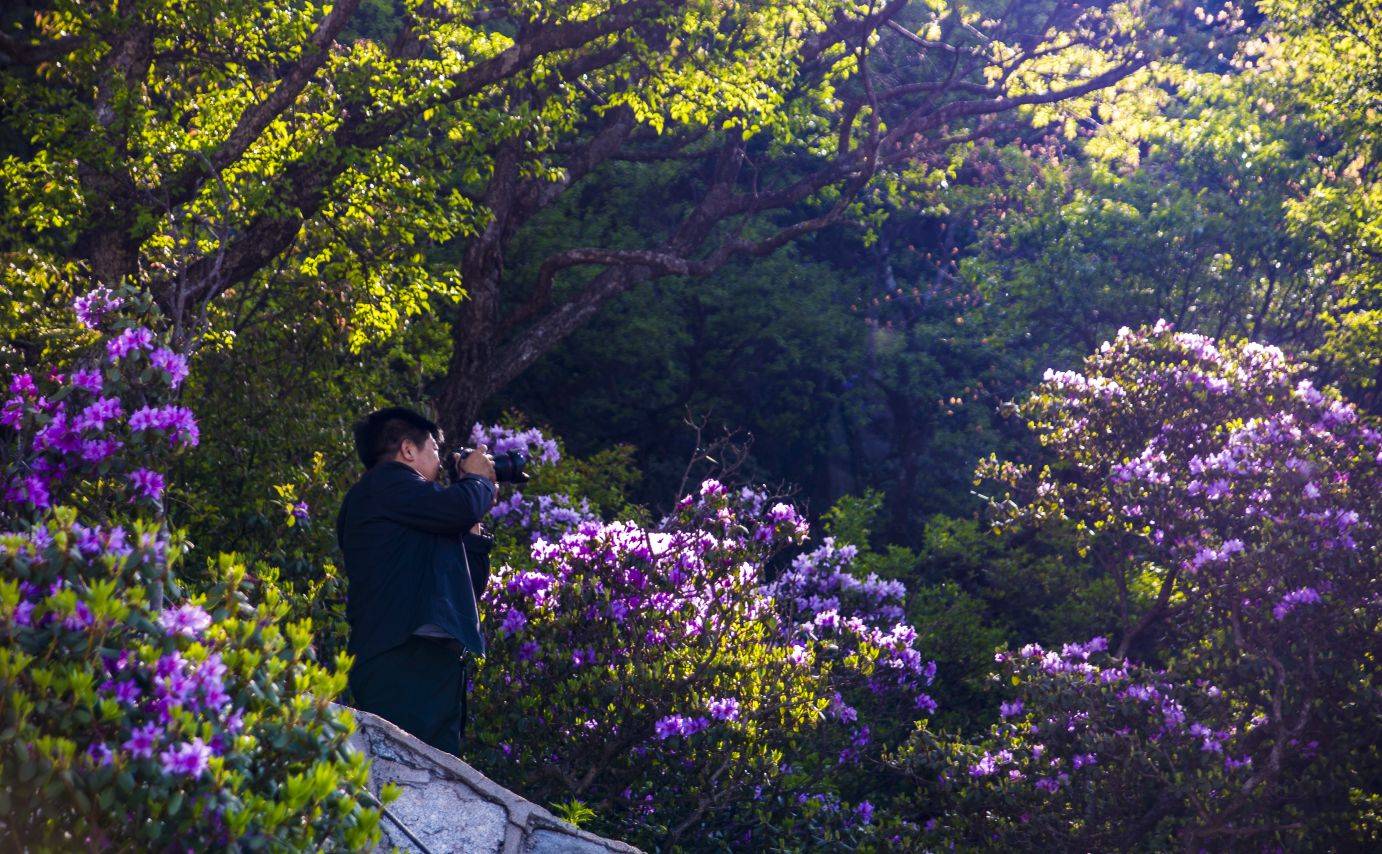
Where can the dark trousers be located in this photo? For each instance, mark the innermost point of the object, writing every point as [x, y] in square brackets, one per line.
[419, 686]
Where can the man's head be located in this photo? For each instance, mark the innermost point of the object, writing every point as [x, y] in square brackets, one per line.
[401, 434]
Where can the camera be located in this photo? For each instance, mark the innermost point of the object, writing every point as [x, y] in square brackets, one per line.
[508, 466]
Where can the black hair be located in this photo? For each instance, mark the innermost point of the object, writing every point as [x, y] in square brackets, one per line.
[380, 434]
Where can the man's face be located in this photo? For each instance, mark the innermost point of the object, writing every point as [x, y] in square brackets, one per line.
[426, 460]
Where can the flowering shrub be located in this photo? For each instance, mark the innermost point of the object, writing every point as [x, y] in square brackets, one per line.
[1217, 475]
[649, 672]
[134, 716]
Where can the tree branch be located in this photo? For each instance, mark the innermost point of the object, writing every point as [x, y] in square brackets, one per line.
[307, 179]
[180, 189]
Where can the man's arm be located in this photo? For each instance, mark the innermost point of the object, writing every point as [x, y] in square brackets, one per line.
[477, 548]
[408, 499]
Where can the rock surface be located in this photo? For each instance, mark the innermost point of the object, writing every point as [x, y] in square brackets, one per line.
[451, 807]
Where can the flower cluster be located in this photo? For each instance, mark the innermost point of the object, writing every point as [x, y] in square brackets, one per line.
[76, 427]
[666, 640]
[542, 515]
[146, 723]
[821, 598]
[538, 448]
[1246, 496]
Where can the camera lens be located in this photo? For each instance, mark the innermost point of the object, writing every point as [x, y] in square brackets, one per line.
[508, 468]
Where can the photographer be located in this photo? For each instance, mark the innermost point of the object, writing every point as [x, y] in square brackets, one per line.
[416, 562]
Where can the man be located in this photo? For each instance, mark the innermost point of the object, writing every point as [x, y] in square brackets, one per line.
[416, 562]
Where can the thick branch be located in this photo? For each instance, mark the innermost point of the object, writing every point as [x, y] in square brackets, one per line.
[307, 179]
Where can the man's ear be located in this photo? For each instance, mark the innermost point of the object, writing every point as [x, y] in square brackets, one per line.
[407, 450]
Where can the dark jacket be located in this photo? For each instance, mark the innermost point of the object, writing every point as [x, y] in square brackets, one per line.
[402, 537]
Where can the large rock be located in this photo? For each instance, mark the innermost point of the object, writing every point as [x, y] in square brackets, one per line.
[451, 807]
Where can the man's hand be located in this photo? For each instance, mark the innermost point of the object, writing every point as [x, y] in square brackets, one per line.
[479, 462]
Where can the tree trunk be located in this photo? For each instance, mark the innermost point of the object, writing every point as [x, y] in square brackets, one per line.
[469, 377]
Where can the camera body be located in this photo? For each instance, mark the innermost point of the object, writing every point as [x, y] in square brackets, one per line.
[508, 466]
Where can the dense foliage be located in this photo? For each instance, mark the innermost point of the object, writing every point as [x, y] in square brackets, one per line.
[844, 243]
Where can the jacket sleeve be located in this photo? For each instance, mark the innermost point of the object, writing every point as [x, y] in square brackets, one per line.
[406, 498]
[477, 548]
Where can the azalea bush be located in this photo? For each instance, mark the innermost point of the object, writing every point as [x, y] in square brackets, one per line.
[652, 674]
[1243, 499]
[138, 713]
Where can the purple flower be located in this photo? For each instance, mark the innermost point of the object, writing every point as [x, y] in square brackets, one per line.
[1008, 710]
[177, 420]
[79, 619]
[97, 450]
[187, 620]
[23, 385]
[209, 680]
[984, 767]
[1289, 602]
[865, 812]
[301, 511]
[514, 621]
[95, 415]
[1082, 759]
[100, 753]
[667, 727]
[173, 364]
[188, 758]
[36, 492]
[128, 341]
[13, 414]
[679, 725]
[147, 483]
[142, 740]
[95, 305]
[724, 709]
[87, 380]
[126, 692]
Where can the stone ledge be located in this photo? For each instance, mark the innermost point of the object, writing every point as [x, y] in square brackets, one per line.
[452, 807]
